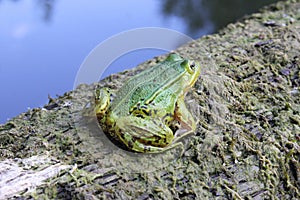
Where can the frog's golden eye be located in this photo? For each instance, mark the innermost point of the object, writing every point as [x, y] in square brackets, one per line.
[190, 66]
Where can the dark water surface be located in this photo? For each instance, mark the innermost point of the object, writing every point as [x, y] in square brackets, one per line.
[44, 42]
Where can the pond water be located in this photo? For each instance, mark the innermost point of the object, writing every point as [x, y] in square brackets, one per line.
[44, 42]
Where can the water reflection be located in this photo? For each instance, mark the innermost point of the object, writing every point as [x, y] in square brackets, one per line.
[200, 16]
[210, 15]
[47, 6]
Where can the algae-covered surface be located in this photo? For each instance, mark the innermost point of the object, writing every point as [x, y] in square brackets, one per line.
[246, 146]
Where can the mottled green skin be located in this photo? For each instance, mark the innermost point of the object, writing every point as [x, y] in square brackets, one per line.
[149, 108]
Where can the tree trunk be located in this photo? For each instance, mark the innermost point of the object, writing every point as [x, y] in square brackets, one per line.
[246, 146]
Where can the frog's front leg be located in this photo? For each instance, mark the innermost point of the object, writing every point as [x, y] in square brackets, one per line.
[185, 118]
[144, 135]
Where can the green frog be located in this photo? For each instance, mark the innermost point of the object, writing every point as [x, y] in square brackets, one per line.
[148, 113]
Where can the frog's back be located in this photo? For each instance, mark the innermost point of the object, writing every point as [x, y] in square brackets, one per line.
[145, 85]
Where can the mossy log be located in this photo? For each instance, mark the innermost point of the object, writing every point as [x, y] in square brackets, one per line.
[247, 143]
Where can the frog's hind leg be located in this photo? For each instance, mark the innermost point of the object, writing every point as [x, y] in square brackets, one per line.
[144, 135]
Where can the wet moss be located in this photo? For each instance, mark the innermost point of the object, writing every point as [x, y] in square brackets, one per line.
[247, 141]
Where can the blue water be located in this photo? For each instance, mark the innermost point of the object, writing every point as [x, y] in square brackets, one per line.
[44, 42]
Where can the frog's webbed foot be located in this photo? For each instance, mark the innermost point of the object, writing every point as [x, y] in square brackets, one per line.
[144, 135]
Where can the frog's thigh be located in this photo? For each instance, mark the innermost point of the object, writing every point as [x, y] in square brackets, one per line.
[144, 135]
[184, 116]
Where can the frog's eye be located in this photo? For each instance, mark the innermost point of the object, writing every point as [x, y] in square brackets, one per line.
[193, 66]
[189, 66]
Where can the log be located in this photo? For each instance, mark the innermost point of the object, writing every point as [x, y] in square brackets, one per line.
[246, 146]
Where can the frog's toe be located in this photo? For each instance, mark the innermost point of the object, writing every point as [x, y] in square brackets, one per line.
[139, 147]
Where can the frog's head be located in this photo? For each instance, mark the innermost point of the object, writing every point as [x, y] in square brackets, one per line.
[191, 67]
[193, 70]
